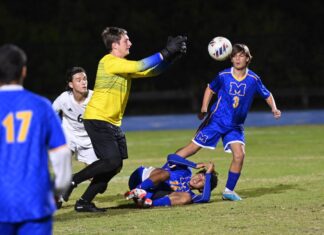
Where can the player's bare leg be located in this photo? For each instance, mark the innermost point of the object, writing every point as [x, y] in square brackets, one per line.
[180, 198]
[238, 151]
[188, 150]
[159, 175]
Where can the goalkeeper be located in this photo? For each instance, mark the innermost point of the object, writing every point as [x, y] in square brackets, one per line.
[173, 184]
[104, 112]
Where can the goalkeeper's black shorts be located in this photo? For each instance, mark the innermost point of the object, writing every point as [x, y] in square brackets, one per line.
[108, 140]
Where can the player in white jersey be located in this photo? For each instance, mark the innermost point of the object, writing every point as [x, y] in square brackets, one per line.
[71, 105]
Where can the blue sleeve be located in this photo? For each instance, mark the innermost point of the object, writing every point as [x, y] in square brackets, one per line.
[262, 90]
[205, 196]
[151, 61]
[215, 85]
[177, 160]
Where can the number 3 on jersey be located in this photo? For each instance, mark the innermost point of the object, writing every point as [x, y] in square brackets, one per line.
[9, 124]
[236, 101]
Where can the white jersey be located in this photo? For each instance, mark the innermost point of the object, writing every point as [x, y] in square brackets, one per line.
[72, 119]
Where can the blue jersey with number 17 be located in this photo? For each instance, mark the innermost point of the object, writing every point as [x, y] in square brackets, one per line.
[29, 128]
[235, 97]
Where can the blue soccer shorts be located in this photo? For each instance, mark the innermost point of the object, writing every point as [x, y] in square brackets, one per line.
[209, 135]
[139, 175]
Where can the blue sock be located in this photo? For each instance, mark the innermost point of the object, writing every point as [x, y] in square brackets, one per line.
[163, 201]
[232, 180]
[146, 184]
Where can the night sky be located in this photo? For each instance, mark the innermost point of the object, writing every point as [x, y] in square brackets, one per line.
[285, 39]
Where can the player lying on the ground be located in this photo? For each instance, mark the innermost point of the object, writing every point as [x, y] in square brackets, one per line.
[172, 184]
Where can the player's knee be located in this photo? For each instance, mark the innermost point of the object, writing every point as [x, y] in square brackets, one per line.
[238, 157]
[118, 169]
[115, 163]
[108, 165]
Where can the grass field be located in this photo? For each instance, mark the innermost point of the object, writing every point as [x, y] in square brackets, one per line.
[282, 186]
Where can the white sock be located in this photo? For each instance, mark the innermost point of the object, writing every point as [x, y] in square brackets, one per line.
[227, 190]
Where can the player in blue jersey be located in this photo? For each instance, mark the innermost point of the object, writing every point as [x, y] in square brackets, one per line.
[29, 131]
[235, 88]
[173, 184]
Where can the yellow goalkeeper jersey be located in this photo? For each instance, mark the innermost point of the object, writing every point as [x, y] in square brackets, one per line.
[113, 83]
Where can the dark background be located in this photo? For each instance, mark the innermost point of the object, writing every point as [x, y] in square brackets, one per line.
[285, 39]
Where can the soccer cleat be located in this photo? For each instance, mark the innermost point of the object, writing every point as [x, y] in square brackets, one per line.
[67, 193]
[143, 202]
[147, 202]
[231, 196]
[127, 195]
[135, 193]
[84, 206]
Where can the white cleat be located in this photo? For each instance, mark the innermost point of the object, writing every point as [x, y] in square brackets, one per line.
[231, 196]
[135, 193]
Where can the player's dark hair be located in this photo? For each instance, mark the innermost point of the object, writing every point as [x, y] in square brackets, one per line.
[69, 75]
[12, 61]
[238, 48]
[112, 34]
[213, 179]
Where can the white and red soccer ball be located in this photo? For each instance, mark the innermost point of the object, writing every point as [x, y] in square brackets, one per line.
[220, 48]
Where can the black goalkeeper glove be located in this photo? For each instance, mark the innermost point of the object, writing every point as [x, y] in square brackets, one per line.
[183, 48]
[174, 45]
[177, 56]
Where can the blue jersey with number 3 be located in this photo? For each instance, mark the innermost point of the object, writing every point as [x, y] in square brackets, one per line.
[29, 127]
[235, 97]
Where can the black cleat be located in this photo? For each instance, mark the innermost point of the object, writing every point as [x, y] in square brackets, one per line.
[68, 192]
[84, 206]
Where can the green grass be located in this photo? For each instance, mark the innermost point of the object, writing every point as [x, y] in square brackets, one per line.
[282, 186]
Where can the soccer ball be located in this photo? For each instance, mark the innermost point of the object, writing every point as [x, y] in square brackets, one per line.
[220, 48]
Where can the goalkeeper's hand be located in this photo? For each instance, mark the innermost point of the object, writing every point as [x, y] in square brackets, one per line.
[175, 46]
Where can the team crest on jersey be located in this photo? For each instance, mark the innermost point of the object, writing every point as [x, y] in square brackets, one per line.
[174, 185]
[181, 185]
[237, 89]
[201, 137]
